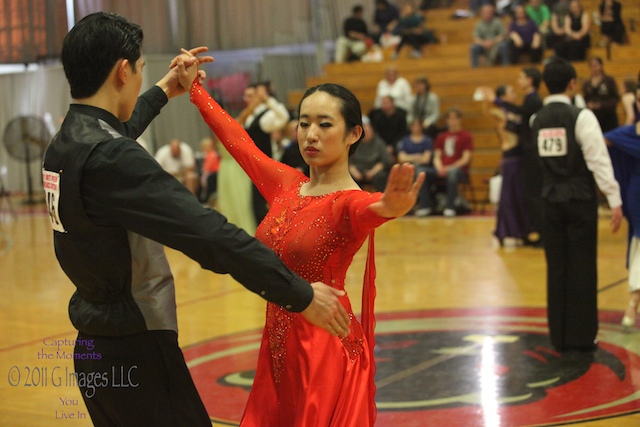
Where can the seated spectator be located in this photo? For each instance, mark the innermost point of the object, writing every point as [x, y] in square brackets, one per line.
[417, 149]
[451, 160]
[539, 13]
[355, 41]
[370, 163]
[209, 170]
[395, 86]
[385, 20]
[611, 26]
[631, 101]
[390, 123]
[425, 107]
[411, 29]
[558, 14]
[524, 37]
[489, 38]
[177, 159]
[577, 39]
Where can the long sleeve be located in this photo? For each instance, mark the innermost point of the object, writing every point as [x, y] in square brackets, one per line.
[266, 173]
[589, 136]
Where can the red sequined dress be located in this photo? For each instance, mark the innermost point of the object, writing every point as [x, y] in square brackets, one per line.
[305, 377]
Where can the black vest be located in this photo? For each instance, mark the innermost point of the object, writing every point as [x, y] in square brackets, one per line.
[565, 175]
[260, 137]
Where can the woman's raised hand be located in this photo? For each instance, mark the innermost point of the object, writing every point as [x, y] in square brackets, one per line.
[401, 192]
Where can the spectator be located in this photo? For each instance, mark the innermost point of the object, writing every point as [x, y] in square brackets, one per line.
[425, 107]
[395, 86]
[451, 160]
[385, 19]
[417, 149]
[210, 166]
[631, 101]
[539, 13]
[355, 41]
[370, 163]
[577, 39]
[558, 15]
[390, 123]
[288, 151]
[600, 92]
[524, 37]
[489, 38]
[177, 159]
[611, 25]
[411, 29]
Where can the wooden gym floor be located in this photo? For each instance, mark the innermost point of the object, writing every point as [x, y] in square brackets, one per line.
[461, 331]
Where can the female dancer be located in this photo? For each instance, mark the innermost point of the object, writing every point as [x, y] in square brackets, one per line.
[624, 150]
[305, 376]
[512, 220]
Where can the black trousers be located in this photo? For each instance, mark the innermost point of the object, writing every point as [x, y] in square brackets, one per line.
[532, 187]
[570, 236]
[138, 380]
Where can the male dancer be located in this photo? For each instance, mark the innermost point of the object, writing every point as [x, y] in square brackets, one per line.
[112, 208]
[572, 152]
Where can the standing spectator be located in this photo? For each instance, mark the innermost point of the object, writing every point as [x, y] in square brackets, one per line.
[264, 115]
[539, 13]
[600, 92]
[489, 38]
[524, 37]
[558, 15]
[177, 158]
[210, 166]
[611, 25]
[577, 39]
[572, 153]
[390, 123]
[631, 101]
[451, 160]
[412, 31]
[417, 149]
[395, 86]
[385, 19]
[425, 107]
[355, 40]
[370, 163]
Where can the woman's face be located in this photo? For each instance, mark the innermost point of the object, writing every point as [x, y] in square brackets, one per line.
[510, 94]
[322, 135]
[519, 12]
[574, 7]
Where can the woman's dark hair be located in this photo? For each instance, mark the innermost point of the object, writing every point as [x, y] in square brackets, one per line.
[501, 91]
[349, 107]
[93, 46]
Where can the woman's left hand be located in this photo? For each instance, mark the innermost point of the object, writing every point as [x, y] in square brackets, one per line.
[401, 192]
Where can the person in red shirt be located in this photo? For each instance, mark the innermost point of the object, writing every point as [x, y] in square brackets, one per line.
[451, 160]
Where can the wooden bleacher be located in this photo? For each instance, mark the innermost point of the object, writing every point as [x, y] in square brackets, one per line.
[447, 65]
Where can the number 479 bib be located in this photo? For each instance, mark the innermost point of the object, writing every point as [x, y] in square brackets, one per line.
[552, 142]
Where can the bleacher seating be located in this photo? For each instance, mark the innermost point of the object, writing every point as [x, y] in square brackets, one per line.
[447, 65]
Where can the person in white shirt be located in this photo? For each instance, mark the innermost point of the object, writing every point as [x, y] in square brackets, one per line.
[574, 158]
[395, 86]
[177, 158]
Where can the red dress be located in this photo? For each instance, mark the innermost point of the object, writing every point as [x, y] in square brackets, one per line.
[305, 377]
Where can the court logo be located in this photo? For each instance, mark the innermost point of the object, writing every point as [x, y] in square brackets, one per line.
[466, 367]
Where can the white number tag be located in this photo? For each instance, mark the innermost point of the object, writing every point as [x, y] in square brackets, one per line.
[552, 142]
[51, 184]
